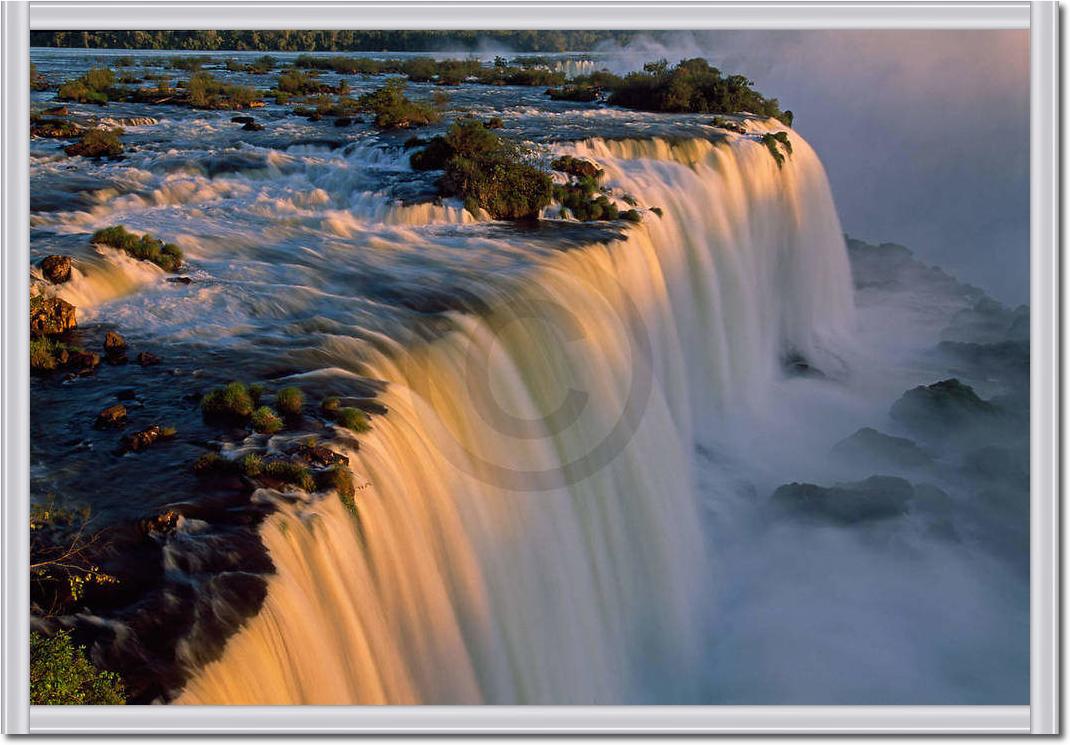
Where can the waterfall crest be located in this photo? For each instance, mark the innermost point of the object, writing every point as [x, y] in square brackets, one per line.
[528, 529]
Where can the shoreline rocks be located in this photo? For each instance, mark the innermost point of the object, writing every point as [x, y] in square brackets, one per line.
[56, 269]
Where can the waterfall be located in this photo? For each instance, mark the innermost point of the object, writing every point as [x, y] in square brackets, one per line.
[528, 528]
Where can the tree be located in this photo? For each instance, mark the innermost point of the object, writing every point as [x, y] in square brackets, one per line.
[60, 673]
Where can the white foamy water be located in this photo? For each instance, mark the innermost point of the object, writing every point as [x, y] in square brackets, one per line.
[518, 544]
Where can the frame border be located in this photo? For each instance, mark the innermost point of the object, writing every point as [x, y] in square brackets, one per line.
[1040, 717]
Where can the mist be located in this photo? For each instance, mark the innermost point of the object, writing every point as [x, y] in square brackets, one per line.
[925, 134]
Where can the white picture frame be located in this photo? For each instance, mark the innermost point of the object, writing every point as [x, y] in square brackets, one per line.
[1041, 716]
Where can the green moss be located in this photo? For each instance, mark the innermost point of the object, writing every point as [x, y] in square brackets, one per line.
[212, 464]
[266, 421]
[353, 419]
[231, 401]
[339, 478]
[578, 93]
[289, 473]
[330, 405]
[60, 673]
[299, 83]
[43, 353]
[167, 256]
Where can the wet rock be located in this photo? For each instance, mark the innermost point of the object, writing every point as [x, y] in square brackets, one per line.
[57, 111]
[876, 498]
[56, 269]
[114, 348]
[162, 524]
[796, 364]
[180, 280]
[343, 121]
[147, 358]
[942, 407]
[80, 361]
[316, 455]
[128, 121]
[242, 119]
[56, 128]
[869, 446]
[126, 394]
[111, 416]
[577, 167]
[51, 316]
[147, 437]
[252, 126]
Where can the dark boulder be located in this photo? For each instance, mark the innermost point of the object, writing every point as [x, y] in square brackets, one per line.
[875, 498]
[242, 119]
[114, 348]
[343, 121]
[51, 316]
[56, 269]
[147, 358]
[871, 447]
[942, 407]
[180, 280]
[162, 524]
[317, 455]
[252, 126]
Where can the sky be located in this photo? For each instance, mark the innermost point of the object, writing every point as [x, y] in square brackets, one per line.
[924, 134]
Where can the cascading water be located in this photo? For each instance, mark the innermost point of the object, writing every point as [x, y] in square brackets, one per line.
[527, 525]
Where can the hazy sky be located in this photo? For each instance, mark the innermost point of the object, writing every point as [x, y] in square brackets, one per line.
[925, 134]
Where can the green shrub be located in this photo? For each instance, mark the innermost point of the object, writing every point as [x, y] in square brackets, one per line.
[631, 215]
[486, 171]
[60, 673]
[43, 353]
[206, 92]
[93, 87]
[289, 473]
[289, 401]
[578, 93]
[231, 401]
[98, 143]
[299, 83]
[210, 464]
[167, 256]
[266, 421]
[393, 110]
[692, 85]
[330, 405]
[773, 141]
[38, 82]
[353, 419]
[251, 465]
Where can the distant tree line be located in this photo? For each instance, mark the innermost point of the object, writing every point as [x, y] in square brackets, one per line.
[299, 40]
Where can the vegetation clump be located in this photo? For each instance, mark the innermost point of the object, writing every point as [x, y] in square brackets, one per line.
[98, 143]
[203, 91]
[167, 256]
[486, 171]
[286, 472]
[691, 85]
[266, 421]
[577, 167]
[577, 93]
[93, 87]
[231, 401]
[60, 673]
[352, 419]
[340, 479]
[298, 83]
[773, 141]
[289, 401]
[63, 557]
[393, 110]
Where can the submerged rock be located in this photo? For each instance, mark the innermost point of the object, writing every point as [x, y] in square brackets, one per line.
[51, 316]
[252, 126]
[875, 498]
[112, 416]
[147, 437]
[242, 119]
[115, 347]
[56, 269]
[147, 358]
[870, 446]
[343, 121]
